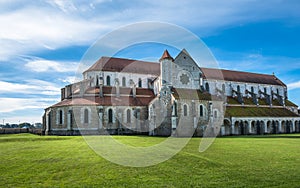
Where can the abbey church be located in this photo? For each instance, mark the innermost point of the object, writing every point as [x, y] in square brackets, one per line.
[173, 96]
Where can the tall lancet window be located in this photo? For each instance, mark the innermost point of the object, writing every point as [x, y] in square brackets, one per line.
[201, 111]
[140, 82]
[60, 117]
[185, 110]
[86, 116]
[128, 114]
[207, 87]
[110, 116]
[123, 81]
[108, 80]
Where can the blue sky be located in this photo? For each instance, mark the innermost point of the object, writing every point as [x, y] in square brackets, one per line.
[42, 42]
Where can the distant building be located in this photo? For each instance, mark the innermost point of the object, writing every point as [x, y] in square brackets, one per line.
[124, 96]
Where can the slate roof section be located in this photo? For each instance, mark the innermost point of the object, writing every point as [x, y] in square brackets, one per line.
[114, 64]
[239, 76]
[290, 103]
[191, 94]
[238, 111]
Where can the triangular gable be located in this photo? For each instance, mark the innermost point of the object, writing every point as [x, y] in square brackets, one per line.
[184, 59]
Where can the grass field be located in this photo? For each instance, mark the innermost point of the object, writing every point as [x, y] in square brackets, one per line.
[51, 161]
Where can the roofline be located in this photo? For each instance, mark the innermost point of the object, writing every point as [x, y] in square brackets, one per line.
[128, 59]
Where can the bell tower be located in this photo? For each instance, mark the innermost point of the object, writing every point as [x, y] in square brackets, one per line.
[166, 62]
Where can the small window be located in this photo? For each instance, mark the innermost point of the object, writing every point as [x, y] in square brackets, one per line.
[110, 116]
[252, 89]
[185, 113]
[201, 111]
[97, 80]
[86, 116]
[175, 108]
[123, 81]
[265, 90]
[207, 87]
[277, 90]
[238, 89]
[108, 80]
[128, 114]
[71, 117]
[140, 82]
[60, 117]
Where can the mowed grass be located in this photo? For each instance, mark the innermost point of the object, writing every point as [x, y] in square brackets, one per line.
[52, 161]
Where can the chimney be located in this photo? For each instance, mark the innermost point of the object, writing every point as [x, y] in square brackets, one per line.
[134, 91]
[62, 96]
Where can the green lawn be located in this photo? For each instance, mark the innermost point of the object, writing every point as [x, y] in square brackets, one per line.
[52, 161]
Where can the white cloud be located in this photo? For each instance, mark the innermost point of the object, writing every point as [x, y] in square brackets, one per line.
[68, 79]
[65, 6]
[294, 85]
[42, 65]
[23, 118]
[33, 87]
[33, 29]
[34, 26]
[14, 104]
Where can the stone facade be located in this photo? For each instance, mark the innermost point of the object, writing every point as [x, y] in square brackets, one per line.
[172, 97]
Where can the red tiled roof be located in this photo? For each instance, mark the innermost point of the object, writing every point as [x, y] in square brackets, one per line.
[123, 91]
[135, 66]
[125, 65]
[166, 55]
[105, 101]
[238, 76]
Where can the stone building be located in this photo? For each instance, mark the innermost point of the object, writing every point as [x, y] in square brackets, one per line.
[171, 97]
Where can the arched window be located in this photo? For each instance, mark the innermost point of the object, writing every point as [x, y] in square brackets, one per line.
[97, 80]
[60, 116]
[108, 80]
[110, 116]
[123, 81]
[128, 115]
[86, 116]
[223, 88]
[252, 89]
[140, 82]
[185, 112]
[175, 108]
[207, 87]
[70, 117]
[201, 111]
[238, 89]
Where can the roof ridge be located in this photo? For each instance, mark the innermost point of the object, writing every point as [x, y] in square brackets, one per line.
[238, 71]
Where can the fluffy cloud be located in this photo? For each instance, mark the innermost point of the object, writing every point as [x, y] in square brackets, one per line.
[42, 65]
[13, 104]
[34, 87]
[294, 85]
[37, 25]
